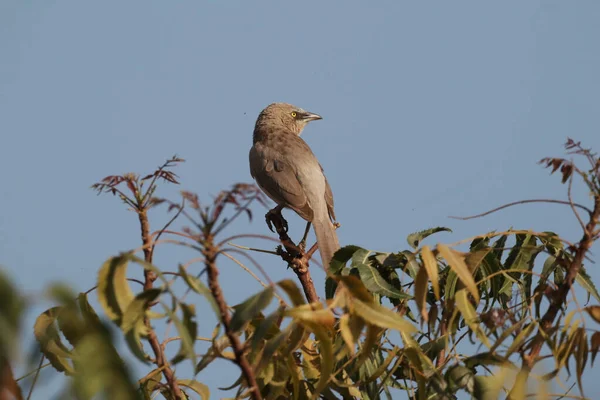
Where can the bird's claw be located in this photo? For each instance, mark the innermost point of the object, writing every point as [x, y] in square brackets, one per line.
[275, 215]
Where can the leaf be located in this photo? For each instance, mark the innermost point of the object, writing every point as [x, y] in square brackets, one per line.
[250, 308]
[431, 266]
[414, 239]
[267, 328]
[594, 345]
[585, 282]
[307, 312]
[378, 315]
[421, 293]
[470, 315]
[594, 312]
[326, 353]
[375, 283]
[197, 387]
[46, 334]
[290, 287]
[114, 293]
[350, 328]
[187, 329]
[457, 264]
[337, 264]
[133, 317]
[519, 340]
[197, 286]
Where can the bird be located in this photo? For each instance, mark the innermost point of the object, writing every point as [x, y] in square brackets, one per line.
[288, 172]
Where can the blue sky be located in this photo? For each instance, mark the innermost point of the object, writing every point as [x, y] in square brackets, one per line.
[430, 110]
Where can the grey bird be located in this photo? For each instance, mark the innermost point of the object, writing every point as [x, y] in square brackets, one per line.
[286, 169]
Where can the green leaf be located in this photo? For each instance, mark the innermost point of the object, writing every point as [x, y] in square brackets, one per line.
[584, 280]
[199, 287]
[414, 239]
[45, 332]
[337, 264]
[114, 293]
[133, 317]
[250, 308]
[375, 283]
[187, 329]
[470, 315]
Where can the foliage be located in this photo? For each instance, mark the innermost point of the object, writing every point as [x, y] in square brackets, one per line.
[433, 321]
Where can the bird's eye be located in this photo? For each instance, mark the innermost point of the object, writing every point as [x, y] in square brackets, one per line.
[294, 114]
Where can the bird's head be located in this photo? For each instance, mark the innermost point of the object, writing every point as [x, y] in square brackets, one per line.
[286, 116]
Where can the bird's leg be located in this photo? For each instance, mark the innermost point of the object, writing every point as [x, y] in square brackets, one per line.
[302, 243]
[274, 216]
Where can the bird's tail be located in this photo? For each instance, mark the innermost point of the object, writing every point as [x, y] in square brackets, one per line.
[327, 239]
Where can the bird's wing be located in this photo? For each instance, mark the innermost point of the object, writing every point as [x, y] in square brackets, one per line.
[328, 197]
[278, 180]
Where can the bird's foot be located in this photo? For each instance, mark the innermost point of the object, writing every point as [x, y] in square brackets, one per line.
[274, 217]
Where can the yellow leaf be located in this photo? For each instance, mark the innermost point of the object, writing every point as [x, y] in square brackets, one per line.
[378, 315]
[431, 266]
[457, 264]
[594, 312]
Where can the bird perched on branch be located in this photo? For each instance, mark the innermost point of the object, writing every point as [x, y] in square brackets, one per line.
[286, 169]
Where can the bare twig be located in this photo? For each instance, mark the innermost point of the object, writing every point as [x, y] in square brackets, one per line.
[514, 203]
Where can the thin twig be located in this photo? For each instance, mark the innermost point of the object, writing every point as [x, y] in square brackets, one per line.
[253, 249]
[514, 203]
[35, 377]
[573, 205]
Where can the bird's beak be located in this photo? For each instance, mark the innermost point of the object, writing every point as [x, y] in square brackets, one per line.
[311, 117]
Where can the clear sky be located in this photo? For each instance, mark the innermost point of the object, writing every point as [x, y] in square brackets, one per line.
[430, 109]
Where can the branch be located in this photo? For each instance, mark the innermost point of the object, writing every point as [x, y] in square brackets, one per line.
[558, 297]
[514, 203]
[210, 254]
[296, 257]
[149, 278]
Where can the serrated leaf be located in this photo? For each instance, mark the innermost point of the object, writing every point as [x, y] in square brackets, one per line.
[197, 387]
[414, 239]
[375, 283]
[584, 280]
[46, 334]
[457, 264]
[114, 293]
[250, 308]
